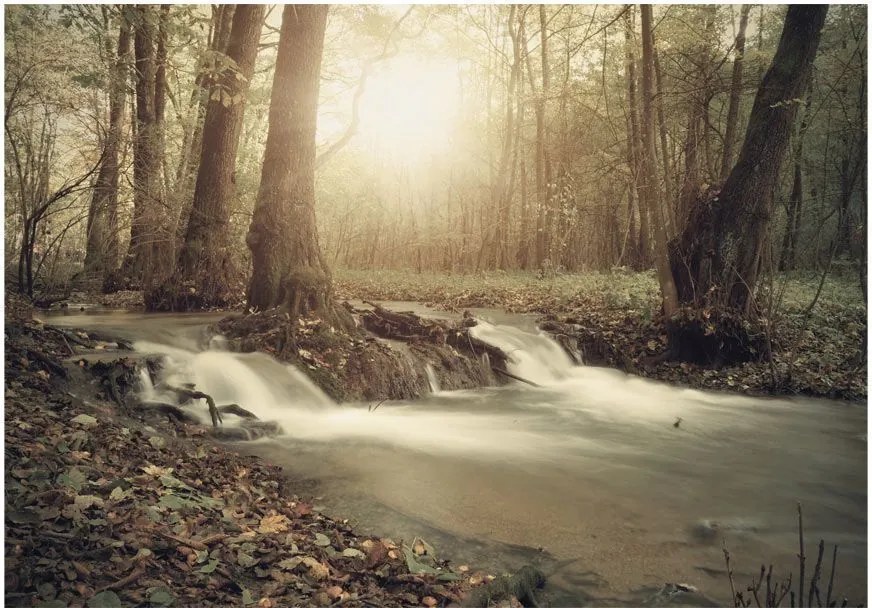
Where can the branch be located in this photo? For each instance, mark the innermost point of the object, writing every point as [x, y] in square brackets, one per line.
[331, 150]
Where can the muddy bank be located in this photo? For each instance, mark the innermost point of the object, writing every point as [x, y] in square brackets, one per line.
[388, 355]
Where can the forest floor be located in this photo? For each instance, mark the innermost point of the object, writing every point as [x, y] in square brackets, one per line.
[817, 351]
[105, 507]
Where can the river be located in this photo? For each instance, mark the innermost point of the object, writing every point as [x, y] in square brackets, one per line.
[586, 475]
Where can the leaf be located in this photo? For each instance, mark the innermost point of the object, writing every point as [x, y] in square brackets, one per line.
[73, 478]
[157, 442]
[351, 552]
[247, 598]
[245, 560]
[156, 471]
[86, 421]
[321, 540]
[210, 567]
[416, 567]
[317, 570]
[105, 599]
[160, 596]
[272, 524]
[290, 563]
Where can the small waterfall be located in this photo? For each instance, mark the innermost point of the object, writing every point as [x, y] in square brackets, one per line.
[534, 357]
[432, 379]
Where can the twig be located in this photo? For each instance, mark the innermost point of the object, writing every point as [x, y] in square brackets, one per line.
[812, 587]
[513, 376]
[123, 582]
[801, 557]
[832, 573]
[730, 575]
[372, 409]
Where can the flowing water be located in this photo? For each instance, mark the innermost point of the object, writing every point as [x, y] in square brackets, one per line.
[586, 474]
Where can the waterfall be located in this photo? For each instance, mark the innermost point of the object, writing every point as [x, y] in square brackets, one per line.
[534, 357]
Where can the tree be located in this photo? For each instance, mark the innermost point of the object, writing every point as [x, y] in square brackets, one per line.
[288, 268]
[151, 238]
[102, 245]
[735, 95]
[649, 191]
[716, 260]
[205, 271]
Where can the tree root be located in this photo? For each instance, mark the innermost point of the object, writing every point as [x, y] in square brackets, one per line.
[191, 393]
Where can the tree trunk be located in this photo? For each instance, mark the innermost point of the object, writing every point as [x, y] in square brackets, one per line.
[150, 251]
[205, 274]
[102, 250]
[186, 173]
[787, 259]
[642, 255]
[288, 269]
[664, 146]
[735, 95]
[648, 187]
[716, 259]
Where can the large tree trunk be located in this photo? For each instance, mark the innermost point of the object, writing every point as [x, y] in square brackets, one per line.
[149, 254]
[102, 250]
[205, 274]
[288, 269]
[716, 260]
[192, 143]
[649, 190]
[735, 95]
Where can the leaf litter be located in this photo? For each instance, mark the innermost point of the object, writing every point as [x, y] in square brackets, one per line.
[98, 515]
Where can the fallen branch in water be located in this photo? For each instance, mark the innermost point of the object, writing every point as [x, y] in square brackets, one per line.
[514, 377]
[191, 393]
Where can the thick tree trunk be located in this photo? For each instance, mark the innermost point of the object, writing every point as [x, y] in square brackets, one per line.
[664, 147]
[186, 173]
[735, 95]
[102, 250]
[149, 254]
[205, 274]
[288, 269]
[648, 188]
[716, 259]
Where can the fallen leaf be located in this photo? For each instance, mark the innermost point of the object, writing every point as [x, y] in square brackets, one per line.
[334, 592]
[317, 570]
[272, 524]
[86, 421]
[429, 601]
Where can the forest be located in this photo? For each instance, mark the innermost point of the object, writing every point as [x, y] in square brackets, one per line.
[405, 201]
[457, 139]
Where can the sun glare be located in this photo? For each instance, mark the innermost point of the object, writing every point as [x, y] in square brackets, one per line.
[409, 107]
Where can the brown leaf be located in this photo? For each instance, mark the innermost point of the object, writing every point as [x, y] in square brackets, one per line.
[429, 601]
[334, 592]
[273, 524]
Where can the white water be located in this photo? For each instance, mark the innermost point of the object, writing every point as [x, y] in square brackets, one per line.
[588, 465]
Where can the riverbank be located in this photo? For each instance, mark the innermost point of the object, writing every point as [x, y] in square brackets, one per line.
[818, 350]
[105, 507]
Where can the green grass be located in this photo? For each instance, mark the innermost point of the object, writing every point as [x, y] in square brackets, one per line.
[525, 292]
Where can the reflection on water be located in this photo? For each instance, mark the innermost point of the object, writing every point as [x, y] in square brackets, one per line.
[588, 467]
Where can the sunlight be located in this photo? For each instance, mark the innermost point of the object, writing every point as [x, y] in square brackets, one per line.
[409, 107]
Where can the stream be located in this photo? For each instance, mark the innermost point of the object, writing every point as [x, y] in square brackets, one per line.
[586, 475]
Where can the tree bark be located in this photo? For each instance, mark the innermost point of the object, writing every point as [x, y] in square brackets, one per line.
[102, 249]
[735, 95]
[288, 269]
[642, 255]
[716, 260]
[205, 274]
[787, 259]
[151, 240]
[649, 190]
